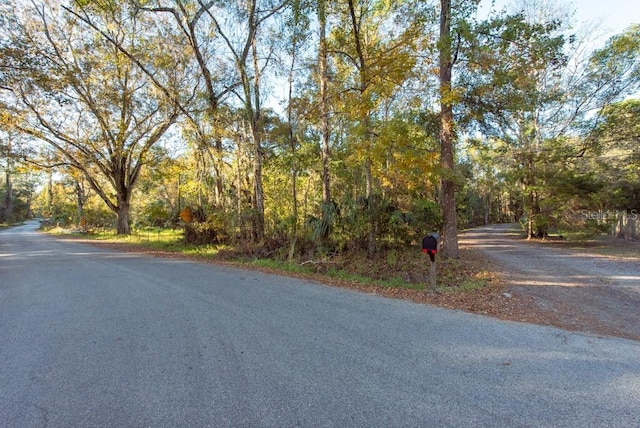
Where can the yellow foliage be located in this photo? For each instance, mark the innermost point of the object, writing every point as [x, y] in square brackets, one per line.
[186, 215]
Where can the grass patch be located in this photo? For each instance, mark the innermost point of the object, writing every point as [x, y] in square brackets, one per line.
[280, 266]
[398, 268]
[579, 236]
[467, 285]
[142, 236]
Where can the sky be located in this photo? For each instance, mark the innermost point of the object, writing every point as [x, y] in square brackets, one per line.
[614, 16]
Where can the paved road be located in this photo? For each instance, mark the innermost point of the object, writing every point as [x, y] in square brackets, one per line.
[90, 337]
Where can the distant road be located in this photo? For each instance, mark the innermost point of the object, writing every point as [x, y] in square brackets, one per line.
[532, 264]
[597, 292]
[91, 337]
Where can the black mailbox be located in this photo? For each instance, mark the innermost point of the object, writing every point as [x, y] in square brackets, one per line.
[430, 245]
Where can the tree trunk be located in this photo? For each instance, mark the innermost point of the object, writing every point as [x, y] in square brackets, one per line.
[8, 200]
[365, 119]
[80, 199]
[29, 212]
[240, 222]
[122, 226]
[256, 132]
[258, 197]
[294, 163]
[8, 205]
[220, 202]
[449, 214]
[530, 215]
[371, 239]
[7, 212]
[324, 103]
[49, 192]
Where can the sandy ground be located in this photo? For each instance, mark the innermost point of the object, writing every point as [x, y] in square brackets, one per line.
[594, 287]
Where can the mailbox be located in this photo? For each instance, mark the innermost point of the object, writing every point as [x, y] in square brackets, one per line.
[430, 245]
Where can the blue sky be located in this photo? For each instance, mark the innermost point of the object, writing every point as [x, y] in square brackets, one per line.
[613, 16]
[616, 15]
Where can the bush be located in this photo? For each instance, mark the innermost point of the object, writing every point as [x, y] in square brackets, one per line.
[214, 230]
[200, 234]
[155, 214]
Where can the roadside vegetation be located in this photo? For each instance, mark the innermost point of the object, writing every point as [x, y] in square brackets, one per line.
[322, 138]
[399, 269]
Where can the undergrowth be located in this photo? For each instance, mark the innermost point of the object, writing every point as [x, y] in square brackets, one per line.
[397, 268]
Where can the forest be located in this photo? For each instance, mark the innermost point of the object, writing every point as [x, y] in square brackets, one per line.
[314, 127]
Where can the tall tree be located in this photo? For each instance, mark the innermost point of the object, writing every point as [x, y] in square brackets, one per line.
[89, 101]
[373, 46]
[297, 23]
[6, 154]
[447, 163]
[250, 60]
[190, 17]
[325, 130]
[617, 162]
[524, 89]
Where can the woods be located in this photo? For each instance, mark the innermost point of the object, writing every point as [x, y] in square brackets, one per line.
[307, 128]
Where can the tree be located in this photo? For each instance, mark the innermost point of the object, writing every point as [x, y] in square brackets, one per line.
[89, 101]
[250, 62]
[372, 45]
[325, 130]
[617, 137]
[298, 23]
[190, 17]
[512, 64]
[447, 164]
[6, 153]
[544, 109]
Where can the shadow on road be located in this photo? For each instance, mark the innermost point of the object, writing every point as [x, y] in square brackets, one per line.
[571, 288]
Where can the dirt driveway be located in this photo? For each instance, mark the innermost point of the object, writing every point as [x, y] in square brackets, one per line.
[592, 287]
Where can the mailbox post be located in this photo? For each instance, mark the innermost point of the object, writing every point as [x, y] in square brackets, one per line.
[430, 246]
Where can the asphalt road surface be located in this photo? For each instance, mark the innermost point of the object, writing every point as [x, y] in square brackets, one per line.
[96, 338]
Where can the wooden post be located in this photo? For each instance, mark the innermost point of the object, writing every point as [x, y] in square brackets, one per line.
[432, 276]
[430, 247]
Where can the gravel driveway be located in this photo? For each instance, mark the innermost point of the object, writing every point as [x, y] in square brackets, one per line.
[596, 291]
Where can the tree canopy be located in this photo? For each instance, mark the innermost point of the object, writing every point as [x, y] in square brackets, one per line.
[315, 126]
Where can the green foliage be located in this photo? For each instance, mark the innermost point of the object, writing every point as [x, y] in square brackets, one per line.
[425, 216]
[155, 213]
[216, 229]
[466, 286]
[14, 207]
[548, 144]
[614, 70]
[321, 226]
[394, 227]
[508, 57]
[281, 266]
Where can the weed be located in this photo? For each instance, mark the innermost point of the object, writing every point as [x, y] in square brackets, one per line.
[467, 285]
[277, 265]
[398, 269]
